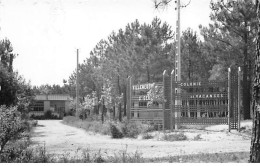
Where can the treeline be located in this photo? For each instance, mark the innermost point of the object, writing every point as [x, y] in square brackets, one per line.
[144, 51]
[15, 90]
[15, 96]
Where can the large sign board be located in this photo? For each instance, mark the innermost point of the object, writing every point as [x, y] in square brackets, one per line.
[189, 102]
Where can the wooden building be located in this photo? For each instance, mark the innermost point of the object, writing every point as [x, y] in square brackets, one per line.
[57, 104]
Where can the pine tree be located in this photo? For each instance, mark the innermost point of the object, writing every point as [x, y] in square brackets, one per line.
[255, 141]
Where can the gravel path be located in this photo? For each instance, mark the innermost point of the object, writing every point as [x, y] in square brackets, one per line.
[60, 139]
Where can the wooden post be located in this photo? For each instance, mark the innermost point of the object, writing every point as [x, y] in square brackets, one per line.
[167, 102]
[103, 109]
[172, 111]
[229, 97]
[129, 95]
[164, 74]
[238, 98]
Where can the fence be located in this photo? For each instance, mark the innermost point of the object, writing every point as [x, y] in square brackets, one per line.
[188, 103]
[137, 104]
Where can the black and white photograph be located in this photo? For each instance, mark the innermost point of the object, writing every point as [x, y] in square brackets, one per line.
[129, 81]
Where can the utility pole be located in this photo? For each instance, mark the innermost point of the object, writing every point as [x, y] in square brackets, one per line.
[77, 82]
[178, 36]
[178, 59]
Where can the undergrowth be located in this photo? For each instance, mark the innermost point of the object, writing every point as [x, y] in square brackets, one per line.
[40, 155]
[175, 137]
[115, 129]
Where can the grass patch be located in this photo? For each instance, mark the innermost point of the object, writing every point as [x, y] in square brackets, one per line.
[39, 155]
[175, 137]
[234, 157]
[196, 127]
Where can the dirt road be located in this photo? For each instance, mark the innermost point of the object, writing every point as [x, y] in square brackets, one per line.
[60, 138]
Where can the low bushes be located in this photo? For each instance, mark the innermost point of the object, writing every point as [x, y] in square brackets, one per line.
[115, 132]
[147, 136]
[40, 155]
[89, 125]
[47, 115]
[14, 134]
[175, 137]
[113, 128]
[11, 126]
[133, 129]
[197, 137]
[128, 129]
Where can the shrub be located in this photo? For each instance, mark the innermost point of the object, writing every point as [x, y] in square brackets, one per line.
[130, 130]
[116, 133]
[197, 137]
[11, 126]
[81, 113]
[115, 129]
[147, 136]
[13, 151]
[105, 128]
[48, 114]
[175, 137]
[14, 135]
[133, 129]
[34, 123]
[71, 112]
[88, 124]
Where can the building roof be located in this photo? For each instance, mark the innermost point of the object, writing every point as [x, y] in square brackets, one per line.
[53, 97]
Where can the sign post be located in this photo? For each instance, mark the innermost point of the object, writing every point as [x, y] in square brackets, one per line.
[238, 97]
[229, 98]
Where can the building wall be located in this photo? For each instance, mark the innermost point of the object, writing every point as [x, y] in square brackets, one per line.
[46, 106]
[57, 104]
[67, 108]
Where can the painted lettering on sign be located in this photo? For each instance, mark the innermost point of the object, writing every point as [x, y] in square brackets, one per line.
[144, 98]
[190, 84]
[207, 96]
[143, 86]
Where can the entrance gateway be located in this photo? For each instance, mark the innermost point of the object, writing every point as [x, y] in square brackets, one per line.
[198, 103]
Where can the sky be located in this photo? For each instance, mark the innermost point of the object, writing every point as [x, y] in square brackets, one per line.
[46, 33]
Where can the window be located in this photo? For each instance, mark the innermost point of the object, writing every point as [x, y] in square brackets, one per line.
[132, 114]
[38, 106]
[143, 104]
[58, 106]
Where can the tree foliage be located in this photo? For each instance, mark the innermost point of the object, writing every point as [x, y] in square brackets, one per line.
[14, 88]
[11, 126]
[142, 51]
[229, 41]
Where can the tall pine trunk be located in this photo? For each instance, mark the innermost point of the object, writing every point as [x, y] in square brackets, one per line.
[125, 100]
[119, 93]
[246, 82]
[255, 141]
[114, 112]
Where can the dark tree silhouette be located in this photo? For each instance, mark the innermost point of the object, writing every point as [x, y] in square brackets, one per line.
[255, 141]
